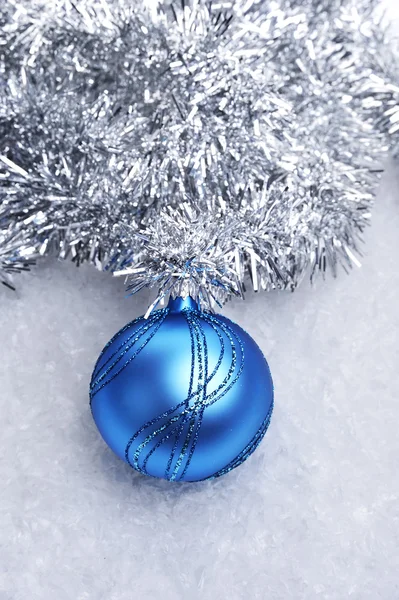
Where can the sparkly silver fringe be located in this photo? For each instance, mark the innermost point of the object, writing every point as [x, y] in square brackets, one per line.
[195, 144]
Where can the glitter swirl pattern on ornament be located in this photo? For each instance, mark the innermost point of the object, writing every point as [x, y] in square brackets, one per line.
[203, 372]
[184, 420]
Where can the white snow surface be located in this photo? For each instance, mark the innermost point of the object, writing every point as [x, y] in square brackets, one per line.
[313, 514]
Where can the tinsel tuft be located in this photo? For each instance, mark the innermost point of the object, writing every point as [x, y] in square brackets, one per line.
[192, 145]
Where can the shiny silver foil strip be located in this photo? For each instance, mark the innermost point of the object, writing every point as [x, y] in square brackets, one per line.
[194, 146]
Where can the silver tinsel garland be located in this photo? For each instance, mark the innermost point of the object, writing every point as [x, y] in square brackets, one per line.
[192, 144]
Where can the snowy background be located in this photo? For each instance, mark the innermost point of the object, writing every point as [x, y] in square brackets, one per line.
[313, 514]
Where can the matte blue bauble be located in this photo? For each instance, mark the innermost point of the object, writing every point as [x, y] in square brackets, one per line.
[183, 395]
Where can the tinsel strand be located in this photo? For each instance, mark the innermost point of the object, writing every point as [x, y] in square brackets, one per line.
[193, 145]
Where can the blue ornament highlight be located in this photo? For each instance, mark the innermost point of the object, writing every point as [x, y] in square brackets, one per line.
[184, 395]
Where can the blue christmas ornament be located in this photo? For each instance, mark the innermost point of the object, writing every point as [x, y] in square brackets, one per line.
[183, 395]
